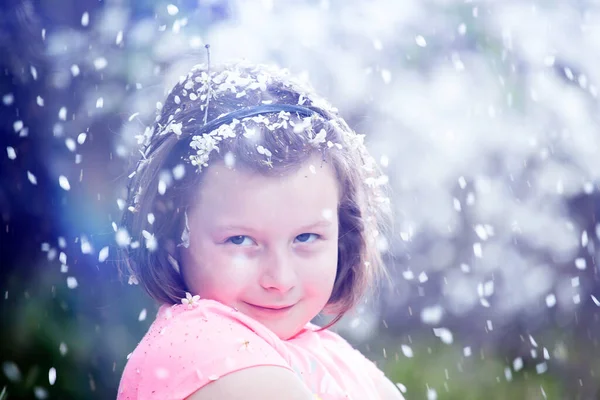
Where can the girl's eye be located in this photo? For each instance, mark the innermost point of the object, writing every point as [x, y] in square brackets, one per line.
[240, 240]
[307, 237]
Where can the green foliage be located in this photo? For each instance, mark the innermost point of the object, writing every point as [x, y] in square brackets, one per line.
[445, 370]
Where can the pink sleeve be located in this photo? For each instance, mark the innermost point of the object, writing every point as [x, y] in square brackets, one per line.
[368, 366]
[189, 348]
[372, 370]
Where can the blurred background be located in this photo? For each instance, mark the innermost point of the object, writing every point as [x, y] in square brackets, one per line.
[484, 115]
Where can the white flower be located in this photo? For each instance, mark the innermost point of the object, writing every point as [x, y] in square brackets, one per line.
[249, 133]
[264, 151]
[203, 78]
[319, 138]
[260, 83]
[133, 280]
[176, 128]
[189, 85]
[190, 301]
[226, 131]
[204, 144]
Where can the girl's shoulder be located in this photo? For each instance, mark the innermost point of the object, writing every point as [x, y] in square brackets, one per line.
[189, 346]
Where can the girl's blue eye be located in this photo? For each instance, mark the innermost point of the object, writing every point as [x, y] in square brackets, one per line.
[240, 240]
[307, 237]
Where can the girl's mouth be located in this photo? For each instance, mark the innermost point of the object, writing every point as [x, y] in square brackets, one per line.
[270, 311]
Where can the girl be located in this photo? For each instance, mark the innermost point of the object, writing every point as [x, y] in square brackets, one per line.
[253, 209]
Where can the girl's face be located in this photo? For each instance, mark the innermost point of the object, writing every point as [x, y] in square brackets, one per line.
[267, 246]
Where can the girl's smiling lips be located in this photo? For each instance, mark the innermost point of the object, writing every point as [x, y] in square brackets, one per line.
[269, 311]
[273, 308]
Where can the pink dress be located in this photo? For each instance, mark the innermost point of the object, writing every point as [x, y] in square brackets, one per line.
[185, 349]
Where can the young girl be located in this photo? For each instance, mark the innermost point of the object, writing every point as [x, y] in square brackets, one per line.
[253, 209]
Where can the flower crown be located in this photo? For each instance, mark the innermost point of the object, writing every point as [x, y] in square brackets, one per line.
[203, 137]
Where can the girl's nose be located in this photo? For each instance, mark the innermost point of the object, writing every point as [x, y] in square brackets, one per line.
[277, 272]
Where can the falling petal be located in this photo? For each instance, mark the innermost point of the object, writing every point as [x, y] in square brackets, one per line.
[17, 125]
[11, 371]
[52, 376]
[71, 282]
[122, 237]
[100, 63]
[407, 351]
[518, 364]
[532, 341]
[70, 143]
[172, 9]
[431, 394]
[103, 254]
[550, 300]
[179, 170]
[541, 368]
[12, 154]
[86, 246]
[444, 334]
[8, 99]
[401, 387]
[64, 183]
[477, 250]
[62, 113]
[580, 263]
[31, 178]
[40, 393]
[432, 315]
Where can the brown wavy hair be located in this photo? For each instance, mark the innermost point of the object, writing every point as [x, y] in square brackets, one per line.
[363, 208]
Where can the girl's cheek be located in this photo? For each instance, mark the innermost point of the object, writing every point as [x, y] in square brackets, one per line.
[240, 262]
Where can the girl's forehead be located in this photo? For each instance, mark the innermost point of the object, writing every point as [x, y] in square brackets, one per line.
[309, 189]
[313, 171]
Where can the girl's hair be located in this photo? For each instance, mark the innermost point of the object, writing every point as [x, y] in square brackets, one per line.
[165, 180]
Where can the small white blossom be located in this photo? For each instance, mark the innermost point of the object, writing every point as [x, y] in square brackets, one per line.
[264, 151]
[319, 138]
[190, 301]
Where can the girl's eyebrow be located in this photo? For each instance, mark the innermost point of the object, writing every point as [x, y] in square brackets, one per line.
[232, 228]
[319, 224]
[241, 228]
